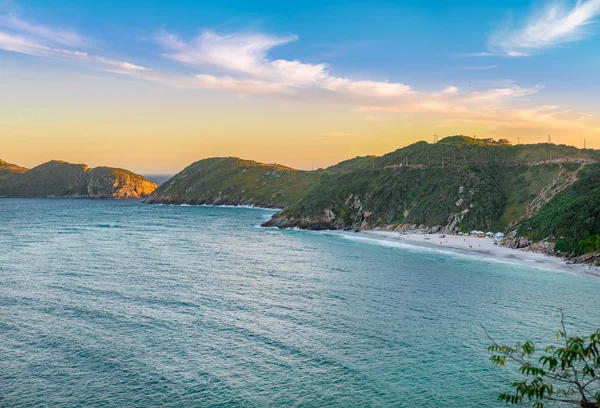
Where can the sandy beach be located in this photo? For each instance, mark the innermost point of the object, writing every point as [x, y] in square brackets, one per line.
[484, 247]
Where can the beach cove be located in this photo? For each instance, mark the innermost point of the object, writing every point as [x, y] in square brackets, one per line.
[483, 248]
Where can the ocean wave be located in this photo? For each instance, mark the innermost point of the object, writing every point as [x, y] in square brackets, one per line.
[455, 252]
[248, 207]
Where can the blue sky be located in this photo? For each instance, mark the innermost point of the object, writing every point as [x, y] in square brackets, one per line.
[488, 66]
[398, 40]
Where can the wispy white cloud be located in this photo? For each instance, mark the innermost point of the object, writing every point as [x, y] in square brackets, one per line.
[451, 90]
[554, 25]
[477, 54]
[18, 35]
[235, 53]
[467, 104]
[241, 60]
[120, 66]
[530, 119]
[63, 37]
[31, 46]
[365, 88]
[241, 86]
[498, 109]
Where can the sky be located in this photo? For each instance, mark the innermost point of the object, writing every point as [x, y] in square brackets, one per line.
[153, 86]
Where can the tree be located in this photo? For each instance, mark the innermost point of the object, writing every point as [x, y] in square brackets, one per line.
[567, 372]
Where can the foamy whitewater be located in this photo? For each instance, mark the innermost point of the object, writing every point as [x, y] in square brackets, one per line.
[118, 303]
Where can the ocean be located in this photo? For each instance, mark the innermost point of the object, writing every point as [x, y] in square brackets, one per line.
[121, 304]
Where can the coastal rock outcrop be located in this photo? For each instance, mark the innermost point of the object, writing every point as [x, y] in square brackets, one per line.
[512, 240]
[106, 182]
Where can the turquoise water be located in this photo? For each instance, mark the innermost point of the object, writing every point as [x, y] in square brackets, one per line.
[117, 303]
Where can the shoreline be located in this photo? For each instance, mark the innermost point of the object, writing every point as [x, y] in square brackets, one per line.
[249, 207]
[481, 248]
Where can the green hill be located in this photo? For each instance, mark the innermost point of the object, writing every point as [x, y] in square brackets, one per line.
[233, 181]
[61, 179]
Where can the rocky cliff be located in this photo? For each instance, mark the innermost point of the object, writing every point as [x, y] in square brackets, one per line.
[61, 179]
[117, 183]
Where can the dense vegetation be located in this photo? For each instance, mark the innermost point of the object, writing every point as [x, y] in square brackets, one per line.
[234, 181]
[572, 217]
[432, 196]
[462, 150]
[452, 198]
[61, 179]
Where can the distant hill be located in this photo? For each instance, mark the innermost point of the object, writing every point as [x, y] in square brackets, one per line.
[457, 184]
[61, 179]
[233, 181]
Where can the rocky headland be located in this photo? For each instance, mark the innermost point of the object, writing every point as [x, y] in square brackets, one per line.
[62, 179]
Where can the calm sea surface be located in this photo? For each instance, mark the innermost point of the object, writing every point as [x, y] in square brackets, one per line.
[121, 304]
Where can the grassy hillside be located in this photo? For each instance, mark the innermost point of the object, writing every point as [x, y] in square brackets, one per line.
[235, 181]
[61, 179]
[54, 178]
[462, 150]
[454, 197]
[572, 218]
[465, 196]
